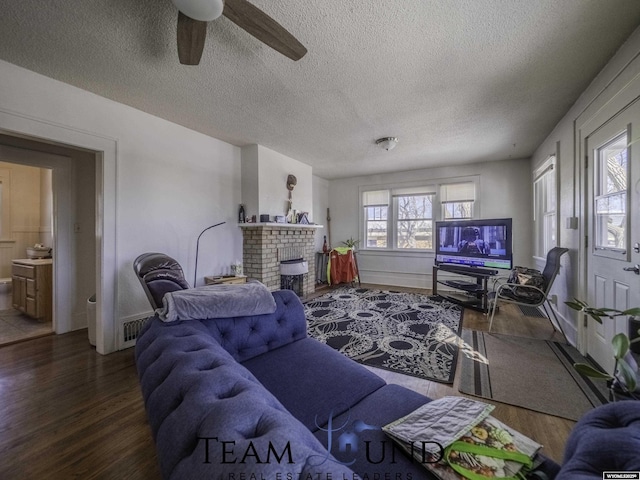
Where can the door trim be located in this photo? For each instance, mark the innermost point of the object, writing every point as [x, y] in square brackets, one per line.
[594, 117]
[105, 148]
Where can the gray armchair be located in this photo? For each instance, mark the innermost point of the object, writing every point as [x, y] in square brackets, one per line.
[508, 292]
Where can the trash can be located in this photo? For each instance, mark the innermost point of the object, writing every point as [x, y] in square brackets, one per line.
[91, 319]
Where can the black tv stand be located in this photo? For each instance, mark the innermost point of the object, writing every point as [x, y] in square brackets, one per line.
[472, 295]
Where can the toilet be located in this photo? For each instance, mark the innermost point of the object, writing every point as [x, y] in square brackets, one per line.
[6, 302]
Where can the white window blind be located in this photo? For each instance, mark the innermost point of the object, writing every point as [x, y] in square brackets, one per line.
[375, 198]
[458, 192]
[457, 200]
[408, 191]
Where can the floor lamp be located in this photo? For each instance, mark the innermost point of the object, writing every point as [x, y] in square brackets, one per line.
[195, 274]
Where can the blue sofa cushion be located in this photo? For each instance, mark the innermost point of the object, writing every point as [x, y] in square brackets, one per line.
[381, 458]
[293, 372]
[605, 439]
[211, 418]
[246, 337]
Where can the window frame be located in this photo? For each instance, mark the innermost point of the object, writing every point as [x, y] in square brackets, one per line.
[545, 218]
[397, 220]
[431, 187]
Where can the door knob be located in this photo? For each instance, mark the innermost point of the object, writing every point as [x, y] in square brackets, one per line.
[635, 269]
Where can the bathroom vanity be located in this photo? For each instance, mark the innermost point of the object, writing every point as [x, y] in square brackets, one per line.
[32, 287]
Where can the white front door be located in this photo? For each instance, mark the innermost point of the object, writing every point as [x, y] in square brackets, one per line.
[613, 230]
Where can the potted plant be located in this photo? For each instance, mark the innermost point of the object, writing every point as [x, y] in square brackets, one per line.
[351, 243]
[625, 370]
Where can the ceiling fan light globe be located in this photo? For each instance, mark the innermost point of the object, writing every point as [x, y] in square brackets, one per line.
[203, 10]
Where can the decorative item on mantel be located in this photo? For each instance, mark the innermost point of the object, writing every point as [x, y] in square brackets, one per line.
[291, 214]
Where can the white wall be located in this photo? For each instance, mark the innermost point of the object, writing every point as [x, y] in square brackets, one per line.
[251, 181]
[615, 77]
[270, 183]
[320, 205]
[23, 205]
[504, 192]
[168, 182]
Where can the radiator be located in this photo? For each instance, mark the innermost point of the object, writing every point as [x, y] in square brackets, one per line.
[130, 329]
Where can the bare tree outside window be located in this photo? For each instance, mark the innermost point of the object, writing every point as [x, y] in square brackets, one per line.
[376, 218]
[414, 221]
[611, 200]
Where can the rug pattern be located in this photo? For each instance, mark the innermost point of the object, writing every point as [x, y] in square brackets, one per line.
[409, 333]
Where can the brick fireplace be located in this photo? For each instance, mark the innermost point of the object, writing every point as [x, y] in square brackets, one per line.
[265, 245]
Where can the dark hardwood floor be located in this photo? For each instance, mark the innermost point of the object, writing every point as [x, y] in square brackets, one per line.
[69, 412]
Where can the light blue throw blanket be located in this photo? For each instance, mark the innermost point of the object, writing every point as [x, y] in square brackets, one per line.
[217, 301]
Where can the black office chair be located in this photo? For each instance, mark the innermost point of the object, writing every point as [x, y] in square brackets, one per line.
[508, 292]
[159, 274]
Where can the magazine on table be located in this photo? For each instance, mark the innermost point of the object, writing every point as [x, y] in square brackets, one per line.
[427, 432]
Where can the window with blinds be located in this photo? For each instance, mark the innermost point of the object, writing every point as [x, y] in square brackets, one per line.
[413, 213]
[457, 200]
[403, 217]
[376, 206]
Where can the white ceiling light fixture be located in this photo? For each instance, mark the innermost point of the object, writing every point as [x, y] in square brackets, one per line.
[203, 10]
[388, 143]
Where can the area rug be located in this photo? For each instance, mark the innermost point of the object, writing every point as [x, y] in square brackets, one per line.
[408, 333]
[530, 373]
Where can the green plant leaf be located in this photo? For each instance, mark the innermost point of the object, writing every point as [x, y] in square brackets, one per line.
[589, 371]
[628, 374]
[620, 344]
[608, 312]
[632, 312]
[574, 305]
[595, 316]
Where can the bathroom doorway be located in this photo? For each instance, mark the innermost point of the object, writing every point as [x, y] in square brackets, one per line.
[72, 227]
[26, 246]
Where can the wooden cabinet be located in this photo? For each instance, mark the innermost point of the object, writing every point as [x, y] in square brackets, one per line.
[32, 287]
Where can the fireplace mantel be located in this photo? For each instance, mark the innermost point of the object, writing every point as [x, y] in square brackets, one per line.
[278, 225]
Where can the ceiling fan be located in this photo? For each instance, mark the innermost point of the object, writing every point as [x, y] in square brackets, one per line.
[192, 27]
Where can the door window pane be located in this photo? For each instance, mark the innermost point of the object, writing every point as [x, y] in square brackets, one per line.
[611, 195]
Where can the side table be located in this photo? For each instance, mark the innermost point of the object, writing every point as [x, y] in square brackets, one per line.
[225, 279]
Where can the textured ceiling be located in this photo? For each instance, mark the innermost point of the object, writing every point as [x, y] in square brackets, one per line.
[458, 81]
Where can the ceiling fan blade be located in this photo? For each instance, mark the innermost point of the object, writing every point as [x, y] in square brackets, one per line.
[264, 28]
[191, 36]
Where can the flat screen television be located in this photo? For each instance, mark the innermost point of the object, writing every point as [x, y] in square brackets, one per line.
[475, 243]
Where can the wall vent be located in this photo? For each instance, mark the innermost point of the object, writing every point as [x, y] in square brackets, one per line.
[129, 330]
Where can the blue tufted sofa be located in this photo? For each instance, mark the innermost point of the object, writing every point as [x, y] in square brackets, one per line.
[255, 398]
[606, 438]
